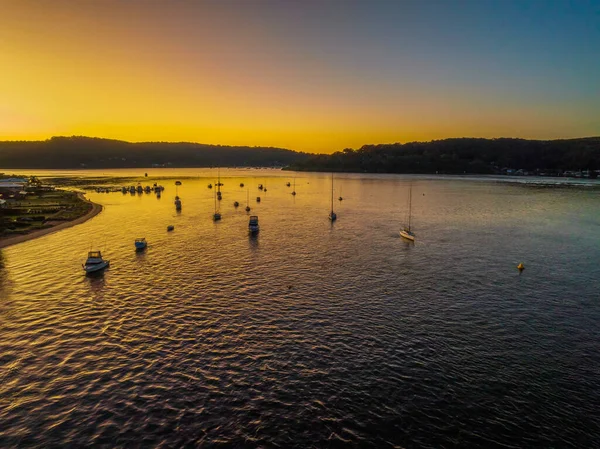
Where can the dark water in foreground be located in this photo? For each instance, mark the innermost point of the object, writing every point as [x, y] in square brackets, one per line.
[310, 335]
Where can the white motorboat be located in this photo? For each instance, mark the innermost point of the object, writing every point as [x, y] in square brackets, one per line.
[95, 262]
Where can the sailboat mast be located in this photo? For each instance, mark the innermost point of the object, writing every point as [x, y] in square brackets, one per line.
[332, 192]
[409, 205]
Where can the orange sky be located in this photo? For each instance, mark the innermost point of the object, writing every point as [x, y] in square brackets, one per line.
[208, 72]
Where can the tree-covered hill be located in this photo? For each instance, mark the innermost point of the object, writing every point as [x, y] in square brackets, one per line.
[86, 152]
[464, 155]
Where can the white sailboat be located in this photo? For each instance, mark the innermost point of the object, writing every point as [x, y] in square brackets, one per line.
[407, 232]
[332, 214]
[217, 214]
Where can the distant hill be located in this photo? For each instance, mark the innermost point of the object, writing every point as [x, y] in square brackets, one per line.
[87, 152]
[464, 155]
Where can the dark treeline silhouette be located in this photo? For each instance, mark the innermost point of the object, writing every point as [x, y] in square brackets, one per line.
[87, 152]
[464, 155]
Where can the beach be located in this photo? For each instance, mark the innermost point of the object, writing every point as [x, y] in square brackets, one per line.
[13, 240]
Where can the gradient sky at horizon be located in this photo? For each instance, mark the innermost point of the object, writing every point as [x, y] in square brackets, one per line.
[314, 76]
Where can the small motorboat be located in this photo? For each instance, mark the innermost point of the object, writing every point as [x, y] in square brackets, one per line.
[177, 204]
[124, 189]
[140, 244]
[253, 227]
[139, 189]
[177, 183]
[170, 228]
[258, 199]
[147, 189]
[332, 216]
[260, 187]
[95, 262]
[216, 216]
[340, 198]
[210, 186]
[236, 204]
[247, 208]
[241, 184]
[288, 184]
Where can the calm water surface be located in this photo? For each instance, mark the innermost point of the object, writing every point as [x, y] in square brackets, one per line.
[311, 334]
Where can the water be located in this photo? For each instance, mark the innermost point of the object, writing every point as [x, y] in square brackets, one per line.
[311, 334]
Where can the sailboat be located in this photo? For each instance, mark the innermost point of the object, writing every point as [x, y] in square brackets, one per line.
[332, 214]
[177, 199]
[217, 214]
[294, 191]
[407, 232]
[248, 201]
[219, 185]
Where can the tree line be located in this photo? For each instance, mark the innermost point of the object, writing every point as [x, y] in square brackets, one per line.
[88, 152]
[463, 155]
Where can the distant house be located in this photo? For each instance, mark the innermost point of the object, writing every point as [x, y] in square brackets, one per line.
[14, 180]
[12, 186]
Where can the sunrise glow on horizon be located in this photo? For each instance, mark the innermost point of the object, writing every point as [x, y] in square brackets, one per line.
[315, 76]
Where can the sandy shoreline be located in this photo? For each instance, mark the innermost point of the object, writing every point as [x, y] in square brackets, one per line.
[95, 210]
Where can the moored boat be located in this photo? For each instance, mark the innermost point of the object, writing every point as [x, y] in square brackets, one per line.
[407, 232]
[332, 214]
[141, 243]
[95, 262]
[253, 227]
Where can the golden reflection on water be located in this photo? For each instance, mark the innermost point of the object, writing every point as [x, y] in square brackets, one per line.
[219, 334]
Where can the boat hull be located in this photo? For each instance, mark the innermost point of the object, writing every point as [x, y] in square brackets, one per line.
[97, 267]
[407, 236]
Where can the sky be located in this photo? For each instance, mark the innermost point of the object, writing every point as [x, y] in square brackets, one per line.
[316, 76]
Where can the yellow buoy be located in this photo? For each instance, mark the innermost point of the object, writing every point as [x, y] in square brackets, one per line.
[521, 267]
